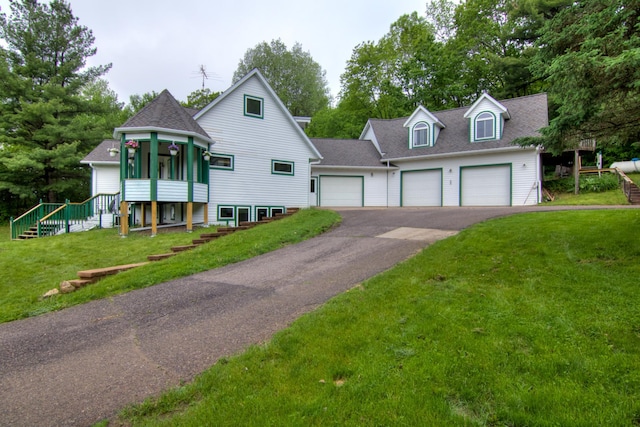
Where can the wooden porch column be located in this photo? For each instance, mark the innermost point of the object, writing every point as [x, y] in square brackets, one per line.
[154, 218]
[189, 216]
[142, 212]
[206, 214]
[124, 218]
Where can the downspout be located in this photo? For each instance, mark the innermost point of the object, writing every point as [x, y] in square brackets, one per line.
[387, 183]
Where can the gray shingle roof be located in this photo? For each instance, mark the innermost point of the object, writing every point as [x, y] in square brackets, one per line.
[100, 153]
[165, 112]
[347, 152]
[528, 115]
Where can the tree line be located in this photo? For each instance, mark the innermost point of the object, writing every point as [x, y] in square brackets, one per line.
[584, 54]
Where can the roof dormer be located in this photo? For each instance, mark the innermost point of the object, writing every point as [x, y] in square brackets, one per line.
[486, 119]
[423, 128]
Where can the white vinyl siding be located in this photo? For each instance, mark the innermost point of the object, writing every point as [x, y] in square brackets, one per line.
[485, 186]
[341, 191]
[422, 188]
[253, 145]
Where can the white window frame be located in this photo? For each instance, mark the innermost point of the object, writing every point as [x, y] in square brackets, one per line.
[222, 156]
[421, 128]
[248, 98]
[282, 162]
[485, 118]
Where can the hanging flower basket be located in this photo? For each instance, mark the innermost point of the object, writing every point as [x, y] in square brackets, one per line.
[173, 149]
[132, 146]
[113, 151]
[206, 156]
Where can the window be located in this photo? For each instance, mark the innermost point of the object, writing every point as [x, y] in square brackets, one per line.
[253, 106]
[420, 135]
[226, 212]
[221, 161]
[280, 167]
[485, 126]
[312, 188]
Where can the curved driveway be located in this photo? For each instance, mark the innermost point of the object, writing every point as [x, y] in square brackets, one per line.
[83, 364]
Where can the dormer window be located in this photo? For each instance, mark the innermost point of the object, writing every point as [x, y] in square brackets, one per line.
[485, 126]
[421, 135]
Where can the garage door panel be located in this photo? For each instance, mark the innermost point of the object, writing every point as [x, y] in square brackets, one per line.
[486, 186]
[422, 188]
[341, 191]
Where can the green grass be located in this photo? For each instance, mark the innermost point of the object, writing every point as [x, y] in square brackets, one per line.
[611, 197]
[532, 319]
[31, 268]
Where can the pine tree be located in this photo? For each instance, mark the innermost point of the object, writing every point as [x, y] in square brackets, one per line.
[45, 121]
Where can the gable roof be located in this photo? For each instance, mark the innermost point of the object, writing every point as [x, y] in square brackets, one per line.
[528, 115]
[165, 114]
[101, 155]
[255, 73]
[347, 153]
[485, 96]
[426, 112]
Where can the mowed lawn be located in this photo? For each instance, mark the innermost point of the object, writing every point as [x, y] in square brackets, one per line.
[31, 268]
[529, 320]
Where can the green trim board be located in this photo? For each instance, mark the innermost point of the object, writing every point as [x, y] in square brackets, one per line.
[463, 168]
[282, 167]
[218, 157]
[254, 106]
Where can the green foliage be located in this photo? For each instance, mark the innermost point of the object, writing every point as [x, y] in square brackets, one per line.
[497, 326]
[298, 80]
[588, 183]
[198, 99]
[50, 115]
[137, 102]
[589, 53]
[31, 268]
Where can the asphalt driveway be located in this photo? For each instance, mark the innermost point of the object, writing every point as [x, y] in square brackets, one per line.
[83, 364]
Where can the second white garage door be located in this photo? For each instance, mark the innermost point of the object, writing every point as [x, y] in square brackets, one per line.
[422, 188]
[485, 186]
[341, 191]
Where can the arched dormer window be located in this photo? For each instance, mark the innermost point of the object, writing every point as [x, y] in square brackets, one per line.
[485, 126]
[421, 135]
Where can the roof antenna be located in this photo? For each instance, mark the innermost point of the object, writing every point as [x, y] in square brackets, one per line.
[203, 73]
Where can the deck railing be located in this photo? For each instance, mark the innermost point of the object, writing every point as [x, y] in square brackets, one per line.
[52, 218]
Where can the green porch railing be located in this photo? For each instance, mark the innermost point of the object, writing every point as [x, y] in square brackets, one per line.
[51, 218]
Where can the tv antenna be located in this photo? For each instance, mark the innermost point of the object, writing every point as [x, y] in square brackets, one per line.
[203, 72]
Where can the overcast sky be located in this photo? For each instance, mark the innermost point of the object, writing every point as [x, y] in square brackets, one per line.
[161, 44]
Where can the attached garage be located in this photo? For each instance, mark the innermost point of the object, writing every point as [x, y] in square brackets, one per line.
[341, 191]
[485, 185]
[422, 188]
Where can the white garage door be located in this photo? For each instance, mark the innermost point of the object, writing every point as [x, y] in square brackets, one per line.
[422, 188]
[341, 190]
[486, 186]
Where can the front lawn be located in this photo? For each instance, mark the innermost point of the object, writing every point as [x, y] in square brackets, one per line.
[31, 268]
[532, 319]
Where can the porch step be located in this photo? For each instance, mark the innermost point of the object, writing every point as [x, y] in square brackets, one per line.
[79, 283]
[160, 257]
[634, 195]
[107, 271]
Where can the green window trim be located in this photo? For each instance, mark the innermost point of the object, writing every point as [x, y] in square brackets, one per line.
[424, 135]
[254, 106]
[218, 160]
[484, 117]
[282, 167]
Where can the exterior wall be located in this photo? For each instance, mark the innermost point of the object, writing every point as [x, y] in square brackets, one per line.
[524, 183]
[254, 143]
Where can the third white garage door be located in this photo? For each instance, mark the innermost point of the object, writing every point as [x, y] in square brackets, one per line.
[422, 188]
[485, 186]
[341, 191]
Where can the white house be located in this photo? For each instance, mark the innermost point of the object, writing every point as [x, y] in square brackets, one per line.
[458, 157]
[244, 157]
